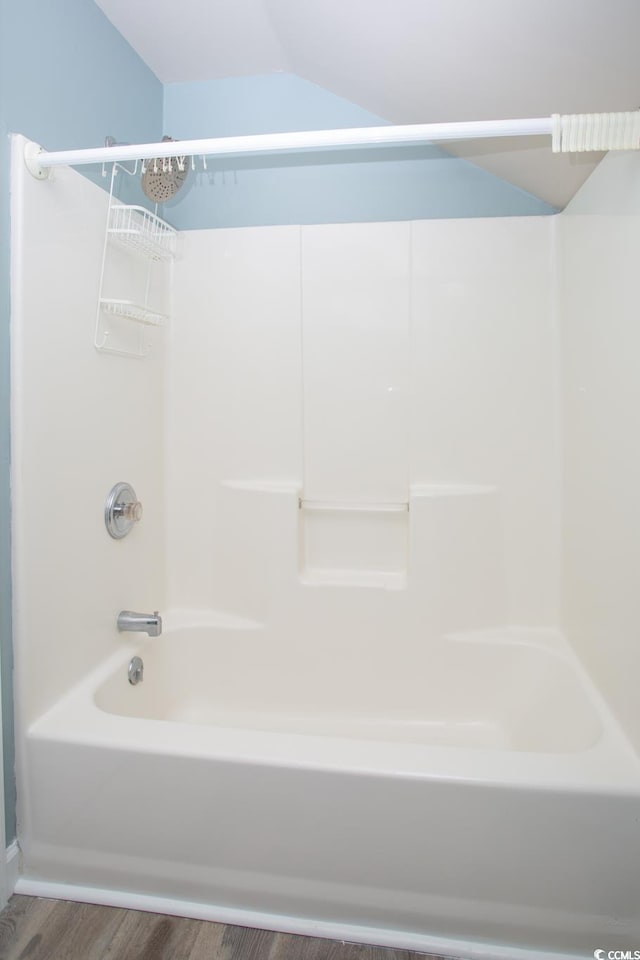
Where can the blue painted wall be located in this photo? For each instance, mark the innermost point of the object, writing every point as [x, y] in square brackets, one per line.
[384, 184]
[67, 79]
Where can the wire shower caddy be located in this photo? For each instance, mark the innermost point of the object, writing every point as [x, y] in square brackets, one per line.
[152, 241]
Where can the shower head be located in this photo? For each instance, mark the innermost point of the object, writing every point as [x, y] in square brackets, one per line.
[162, 177]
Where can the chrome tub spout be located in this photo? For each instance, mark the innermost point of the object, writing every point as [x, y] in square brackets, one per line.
[150, 623]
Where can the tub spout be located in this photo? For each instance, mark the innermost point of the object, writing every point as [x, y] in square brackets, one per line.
[150, 623]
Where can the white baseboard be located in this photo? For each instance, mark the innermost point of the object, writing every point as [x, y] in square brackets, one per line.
[12, 860]
[280, 923]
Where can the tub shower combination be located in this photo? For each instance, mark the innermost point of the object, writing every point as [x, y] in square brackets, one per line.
[355, 715]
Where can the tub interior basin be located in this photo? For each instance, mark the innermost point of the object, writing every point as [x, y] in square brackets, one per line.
[507, 693]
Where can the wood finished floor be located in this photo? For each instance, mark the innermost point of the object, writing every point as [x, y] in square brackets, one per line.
[36, 929]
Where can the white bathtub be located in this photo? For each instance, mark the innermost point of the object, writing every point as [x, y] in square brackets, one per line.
[478, 801]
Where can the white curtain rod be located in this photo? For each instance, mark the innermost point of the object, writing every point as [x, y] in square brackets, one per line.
[577, 132]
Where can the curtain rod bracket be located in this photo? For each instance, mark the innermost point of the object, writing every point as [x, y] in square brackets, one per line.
[32, 153]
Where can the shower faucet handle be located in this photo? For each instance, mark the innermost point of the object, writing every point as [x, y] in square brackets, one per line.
[121, 510]
[131, 510]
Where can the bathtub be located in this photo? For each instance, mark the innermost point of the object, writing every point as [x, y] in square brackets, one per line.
[477, 800]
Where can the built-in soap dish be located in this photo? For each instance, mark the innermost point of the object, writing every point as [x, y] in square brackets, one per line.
[345, 544]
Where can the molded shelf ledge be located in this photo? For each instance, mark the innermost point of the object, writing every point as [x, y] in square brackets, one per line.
[378, 579]
[337, 506]
[133, 311]
[435, 490]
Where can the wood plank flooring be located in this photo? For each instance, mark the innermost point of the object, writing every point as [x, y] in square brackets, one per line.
[36, 929]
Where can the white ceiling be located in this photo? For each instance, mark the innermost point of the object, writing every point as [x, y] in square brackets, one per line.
[416, 61]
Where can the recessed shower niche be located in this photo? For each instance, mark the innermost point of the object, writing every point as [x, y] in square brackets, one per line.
[354, 545]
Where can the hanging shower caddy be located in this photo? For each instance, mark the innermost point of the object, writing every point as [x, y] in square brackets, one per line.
[149, 243]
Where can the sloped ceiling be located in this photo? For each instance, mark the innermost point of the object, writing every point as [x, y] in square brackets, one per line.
[417, 61]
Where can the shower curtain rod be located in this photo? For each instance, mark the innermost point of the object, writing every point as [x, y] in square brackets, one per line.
[569, 133]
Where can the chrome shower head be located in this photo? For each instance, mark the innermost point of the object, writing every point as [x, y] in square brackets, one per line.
[162, 177]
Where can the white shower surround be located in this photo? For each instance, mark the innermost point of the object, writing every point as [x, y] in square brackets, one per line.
[492, 842]
[462, 406]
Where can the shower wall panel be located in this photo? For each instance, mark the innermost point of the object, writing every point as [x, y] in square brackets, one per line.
[234, 408]
[81, 422]
[601, 346]
[355, 321]
[485, 391]
[366, 366]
